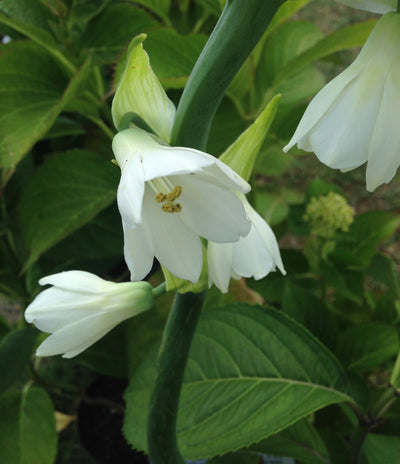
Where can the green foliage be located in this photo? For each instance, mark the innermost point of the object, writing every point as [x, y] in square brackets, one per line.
[27, 427]
[225, 394]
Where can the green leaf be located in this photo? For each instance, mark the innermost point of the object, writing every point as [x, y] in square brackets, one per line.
[242, 154]
[311, 312]
[173, 56]
[111, 31]
[68, 191]
[33, 91]
[300, 441]
[41, 37]
[382, 449]
[383, 269]
[350, 36]
[27, 428]
[251, 372]
[367, 346]
[15, 352]
[274, 208]
[241, 457]
[28, 11]
[272, 161]
[159, 7]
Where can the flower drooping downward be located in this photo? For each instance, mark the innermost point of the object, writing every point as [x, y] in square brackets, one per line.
[81, 308]
[168, 198]
[354, 119]
[255, 255]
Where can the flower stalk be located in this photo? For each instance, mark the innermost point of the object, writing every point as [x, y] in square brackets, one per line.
[238, 30]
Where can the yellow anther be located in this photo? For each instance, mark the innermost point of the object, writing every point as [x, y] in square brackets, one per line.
[168, 207]
[178, 207]
[160, 197]
[174, 193]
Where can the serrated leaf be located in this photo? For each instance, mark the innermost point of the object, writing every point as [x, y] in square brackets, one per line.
[251, 372]
[300, 441]
[15, 351]
[34, 90]
[112, 30]
[367, 346]
[65, 193]
[27, 428]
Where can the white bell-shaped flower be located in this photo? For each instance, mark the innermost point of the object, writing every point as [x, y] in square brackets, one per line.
[80, 308]
[168, 198]
[255, 255]
[355, 118]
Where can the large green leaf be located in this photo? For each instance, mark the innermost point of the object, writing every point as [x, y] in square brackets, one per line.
[68, 191]
[251, 372]
[29, 11]
[300, 441]
[159, 7]
[15, 352]
[33, 91]
[113, 29]
[27, 428]
[382, 449]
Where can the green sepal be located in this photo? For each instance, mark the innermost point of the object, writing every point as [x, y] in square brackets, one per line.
[140, 92]
[242, 154]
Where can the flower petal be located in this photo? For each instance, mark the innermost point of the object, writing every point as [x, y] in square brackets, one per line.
[212, 212]
[131, 190]
[78, 281]
[219, 260]
[320, 104]
[175, 246]
[138, 251]
[341, 138]
[76, 337]
[384, 150]
[56, 307]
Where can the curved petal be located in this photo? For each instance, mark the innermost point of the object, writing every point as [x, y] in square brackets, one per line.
[56, 307]
[251, 257]
[321, 103]
[165, 161]
[341, 138]
[384, 151]
[222, 175]
[131, 190]
[76, 337]
[268, 237]
[77, 281]
[138, 251]
[219, 260]
[175, 246]
[212, 212]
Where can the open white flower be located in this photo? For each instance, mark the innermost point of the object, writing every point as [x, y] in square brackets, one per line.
[375, 6]
[168, 198]
[81, 308]
[354, 118]
[253, 256]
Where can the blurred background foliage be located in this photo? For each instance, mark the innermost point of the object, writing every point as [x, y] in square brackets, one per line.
[59, 62]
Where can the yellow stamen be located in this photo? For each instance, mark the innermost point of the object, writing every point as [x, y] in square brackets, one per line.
[174, 193]
[160, 197]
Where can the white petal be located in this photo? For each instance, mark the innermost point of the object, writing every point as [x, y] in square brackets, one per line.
[78, 281]
[138, 251]
[341, 138]
[212, 212]
[76, 337]
[131, 190]
[251, 258]
[222, 175]
[321, 103]
[219, 260]
[384, 151]
[268, 237]
[175, 246]
[165, 161]
[57, 307]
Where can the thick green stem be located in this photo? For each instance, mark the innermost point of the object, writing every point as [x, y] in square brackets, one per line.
[238, 30]
[175, 345]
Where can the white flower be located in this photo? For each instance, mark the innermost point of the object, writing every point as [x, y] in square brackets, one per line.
[168, 197]
[81, 308]
[355, 118]
[253, 256]
[375, 6]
